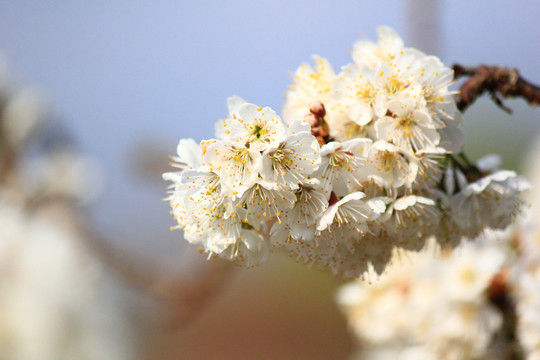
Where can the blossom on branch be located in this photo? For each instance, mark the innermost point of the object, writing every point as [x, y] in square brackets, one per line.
[368, 160]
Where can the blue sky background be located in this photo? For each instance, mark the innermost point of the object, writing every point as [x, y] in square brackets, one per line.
[122, 74]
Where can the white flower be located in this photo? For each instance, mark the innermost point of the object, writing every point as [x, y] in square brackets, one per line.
[310, 85]
[368, 53]
[64, 173]
[176, 196]
[462, 330]
[237, 166]
[214, 221]
[203, 187]
[460, 321]
[193, 193]
[189, 155]
[392, 167]
[368, 308]
[342, 128]
[262, 203]
[447, 322]
[344, 224]
[528, 311]
[448, 233]
[251, 126]
[290, 163]
[435, 84]
[452, 137]
[343, 165]
[200, 182]
[411, 219]
[360, 94]
[410, 128]
[214, 226]
[234, 103]
[201, 209]
[310, 204]
[337, 241]
[430, 171]
[249, 247]
[470, 269]
[491, 201]
[23, 113]
[349, 210]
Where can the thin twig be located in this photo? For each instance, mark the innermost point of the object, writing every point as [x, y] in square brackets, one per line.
[184, 294]
[497, 81]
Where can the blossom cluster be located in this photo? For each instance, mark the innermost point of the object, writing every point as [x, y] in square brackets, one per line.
[481, 301]
[456, 321]
[527, 291]
[367, 160]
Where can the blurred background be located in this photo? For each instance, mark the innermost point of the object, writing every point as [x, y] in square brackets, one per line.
[125, 80]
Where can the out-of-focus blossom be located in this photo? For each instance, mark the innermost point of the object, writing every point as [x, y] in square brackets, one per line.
[436, 304]
[55, 300]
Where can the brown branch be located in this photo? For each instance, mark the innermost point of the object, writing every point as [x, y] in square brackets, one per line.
[499, 295]
[497, 81]
[184, 293]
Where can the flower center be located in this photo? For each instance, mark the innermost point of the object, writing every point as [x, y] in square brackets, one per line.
[281, 159]
[405, 123]
[366, 91]
[302, 195]
[259, 131]
[384, 160]
[241, 156]
[395, 85]
[340, 158]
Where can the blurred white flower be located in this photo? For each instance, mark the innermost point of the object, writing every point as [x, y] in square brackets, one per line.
[54, 301]
[64, 173]
[368, 53]
[24, 112]
[436, 305]
[491, 201]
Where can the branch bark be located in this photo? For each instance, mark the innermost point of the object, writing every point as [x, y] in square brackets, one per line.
[497, 81]
[506, 339]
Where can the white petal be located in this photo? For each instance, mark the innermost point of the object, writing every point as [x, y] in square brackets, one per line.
[234, 103]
